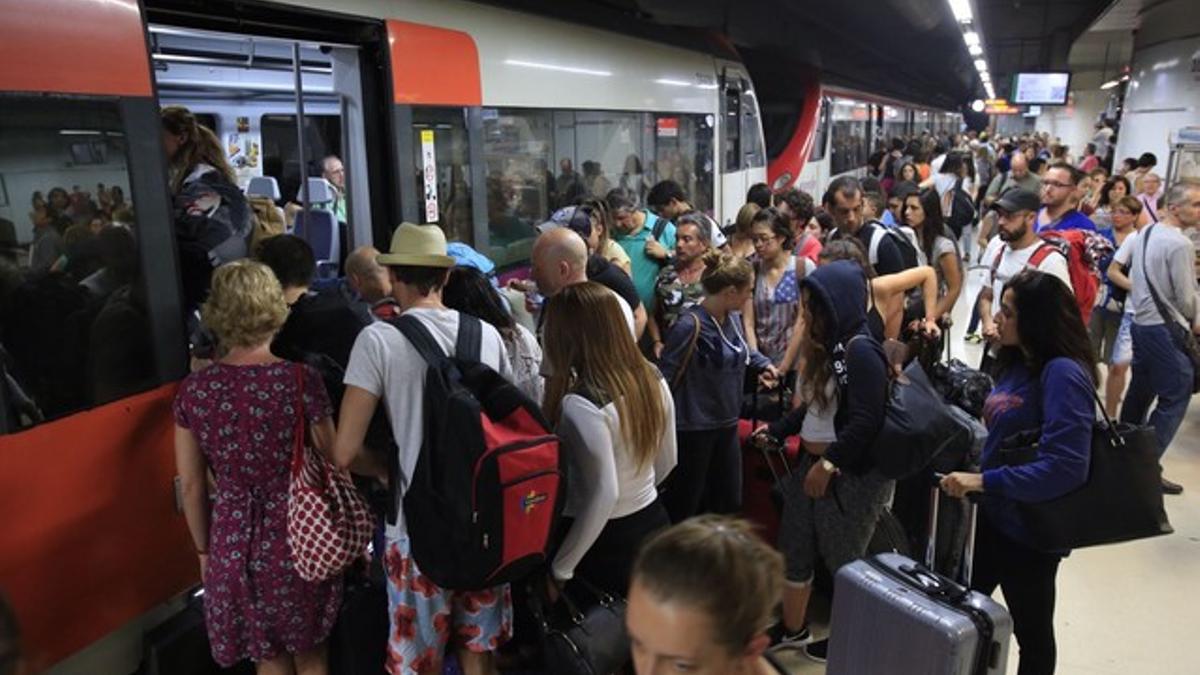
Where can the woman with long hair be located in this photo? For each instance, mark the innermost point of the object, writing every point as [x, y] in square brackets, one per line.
[702, 597]
[908, 173]
[923, 213]
[836, 494]
[1047, 380]
[470, 292]
[238, 419]
[616, 417]
[212, 217]
[599, 235]
[1116, 187]
[705, 361]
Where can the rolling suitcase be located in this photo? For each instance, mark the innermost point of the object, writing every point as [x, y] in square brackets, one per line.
[762, 471]
[892, 615]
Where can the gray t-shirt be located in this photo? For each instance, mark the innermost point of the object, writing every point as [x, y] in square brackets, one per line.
[384, 363]
[1170, 260]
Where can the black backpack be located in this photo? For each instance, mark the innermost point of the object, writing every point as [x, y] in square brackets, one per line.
[908, 252]
[490, 481]
[958, 208]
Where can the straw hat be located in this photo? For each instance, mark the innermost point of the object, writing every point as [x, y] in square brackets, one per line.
[418, 246]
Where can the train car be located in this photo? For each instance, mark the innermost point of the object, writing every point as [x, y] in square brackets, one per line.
[832, 131]
[480, 119]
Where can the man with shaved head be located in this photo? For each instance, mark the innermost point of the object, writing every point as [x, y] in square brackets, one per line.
[370, 282]
[560, 258]
[1018, 175]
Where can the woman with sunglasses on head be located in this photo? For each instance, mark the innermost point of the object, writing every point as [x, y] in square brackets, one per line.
[1047, 380]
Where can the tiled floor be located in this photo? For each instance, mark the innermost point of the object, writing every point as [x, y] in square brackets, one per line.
[1129, 609]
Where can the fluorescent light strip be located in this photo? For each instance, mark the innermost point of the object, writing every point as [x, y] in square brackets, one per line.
[561, 69]
[961, 10]
[971, 38]
[672, 83]
[79, 132]
[975, 50]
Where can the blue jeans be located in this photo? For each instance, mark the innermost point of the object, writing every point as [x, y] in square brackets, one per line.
[1160, 370]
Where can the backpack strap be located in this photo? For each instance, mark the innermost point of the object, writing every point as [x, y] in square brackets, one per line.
[1042, 253]
[416, 332]
[877, 235]
[996, 263]
[468, 346]
[691, 349]
[660, 226]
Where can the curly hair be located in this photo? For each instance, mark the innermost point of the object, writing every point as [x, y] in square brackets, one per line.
[245, 307]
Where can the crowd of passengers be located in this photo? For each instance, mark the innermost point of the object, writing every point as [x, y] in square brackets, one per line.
[642, 332]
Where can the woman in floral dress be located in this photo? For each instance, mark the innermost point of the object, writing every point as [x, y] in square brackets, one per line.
[238, 418]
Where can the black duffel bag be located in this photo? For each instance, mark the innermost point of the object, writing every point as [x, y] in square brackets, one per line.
[575, 641]
[1121, 500]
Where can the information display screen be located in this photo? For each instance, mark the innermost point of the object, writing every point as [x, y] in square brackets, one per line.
[1040, 88]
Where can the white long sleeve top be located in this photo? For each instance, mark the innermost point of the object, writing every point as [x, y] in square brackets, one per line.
[605, 481]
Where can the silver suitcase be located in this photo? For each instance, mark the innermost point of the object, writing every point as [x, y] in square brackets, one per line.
[893, 616]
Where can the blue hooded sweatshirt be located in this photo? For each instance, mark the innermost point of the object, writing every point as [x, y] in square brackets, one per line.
[840, 288]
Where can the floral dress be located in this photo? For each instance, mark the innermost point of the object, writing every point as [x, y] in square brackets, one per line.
[244, 418]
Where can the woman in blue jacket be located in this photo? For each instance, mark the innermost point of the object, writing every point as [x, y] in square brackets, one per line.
[1047, 380]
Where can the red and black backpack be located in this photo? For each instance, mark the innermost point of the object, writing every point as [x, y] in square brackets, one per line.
[489, 483]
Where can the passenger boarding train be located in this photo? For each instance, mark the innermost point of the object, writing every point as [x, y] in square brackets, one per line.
[480, 119]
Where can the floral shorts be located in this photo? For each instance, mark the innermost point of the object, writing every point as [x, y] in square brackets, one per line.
[425, 618]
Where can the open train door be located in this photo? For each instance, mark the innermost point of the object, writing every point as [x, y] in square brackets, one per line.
[742, 150]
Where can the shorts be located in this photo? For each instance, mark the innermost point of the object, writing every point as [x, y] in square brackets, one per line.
[1103, 329]
[1122, 348]
[425, 618]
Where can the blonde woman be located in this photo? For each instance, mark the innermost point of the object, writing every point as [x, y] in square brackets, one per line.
[211, 215]
[741, 244]
[617, 421]
[238, 418]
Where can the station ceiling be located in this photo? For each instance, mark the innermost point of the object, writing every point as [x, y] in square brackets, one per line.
[906, 49]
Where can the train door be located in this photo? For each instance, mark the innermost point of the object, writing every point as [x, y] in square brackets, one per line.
[742, 151]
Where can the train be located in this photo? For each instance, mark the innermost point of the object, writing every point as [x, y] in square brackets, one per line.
[475, 117]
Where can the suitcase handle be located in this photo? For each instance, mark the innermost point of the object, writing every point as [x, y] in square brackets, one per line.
[967, 567]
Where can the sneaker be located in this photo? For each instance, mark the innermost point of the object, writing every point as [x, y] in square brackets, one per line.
[1171, 487]
[782, 638]
[817, 650]
[973, 338]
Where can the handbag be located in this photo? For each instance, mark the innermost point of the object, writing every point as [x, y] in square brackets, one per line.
[328, 523]
[1121, 500]
[581, 642]
[917, 423]
[1181, 335]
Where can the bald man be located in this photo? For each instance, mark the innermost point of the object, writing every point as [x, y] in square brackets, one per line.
[1018, 175]
[370, 281]
[560, 258]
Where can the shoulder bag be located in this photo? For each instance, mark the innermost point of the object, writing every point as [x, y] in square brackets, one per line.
[329, 523]
[691, 350]
[1121, 500]
[1181, 335]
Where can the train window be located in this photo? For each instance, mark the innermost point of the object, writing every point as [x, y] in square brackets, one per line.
[517, 150]
[683, 152]
[74, 330]
[893, 124]
[209, 120]
[731, 106]
[851, 138]
[819, 143]
[753, 153]
[281, 158]
[446, 129]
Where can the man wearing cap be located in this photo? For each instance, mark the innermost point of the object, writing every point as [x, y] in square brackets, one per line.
[385, 365]
[1016, 248]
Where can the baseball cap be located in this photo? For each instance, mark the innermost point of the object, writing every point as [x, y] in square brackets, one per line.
[1018, 199]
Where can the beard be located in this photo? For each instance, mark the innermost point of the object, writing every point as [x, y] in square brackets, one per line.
[1014, 235]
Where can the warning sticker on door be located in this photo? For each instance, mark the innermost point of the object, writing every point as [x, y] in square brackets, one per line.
[429, 169]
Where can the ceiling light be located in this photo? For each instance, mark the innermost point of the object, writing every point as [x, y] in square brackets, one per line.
[971, 38]
[961, 10]
[977, 105]
[562, 69]
[980, 65]
[975, 50]
[985, 76]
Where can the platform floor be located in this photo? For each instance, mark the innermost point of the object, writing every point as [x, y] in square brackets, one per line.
[1125, 609]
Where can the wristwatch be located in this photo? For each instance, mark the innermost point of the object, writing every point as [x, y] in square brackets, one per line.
[828, 466]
